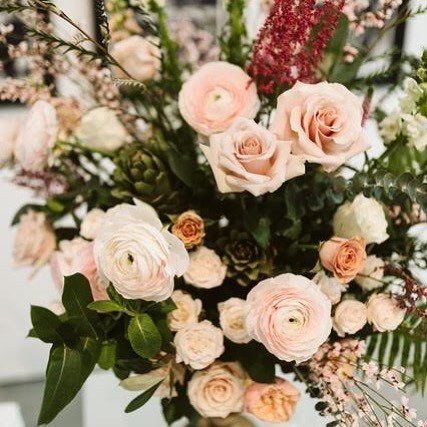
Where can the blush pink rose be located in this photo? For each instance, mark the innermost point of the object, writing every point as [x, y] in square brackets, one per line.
[248, 157]
[289, 315]
[274, 403]
[76, 256]
[37, 137]
[215, 95]
[323, 120]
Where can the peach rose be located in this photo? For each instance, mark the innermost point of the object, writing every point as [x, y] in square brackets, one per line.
[324, 122]
[343, 257]
[37, 137]
[218, 391]
[187, 311]
[138, 56]
[199, 344]
[248, 157]
[384, 313]
[274, 403]
[206, 269]
[350, 317]
[190, 229]
[76, 256]
[232, 320]
[215, 95]
[9, 130]
[35, 241]
[289, 315]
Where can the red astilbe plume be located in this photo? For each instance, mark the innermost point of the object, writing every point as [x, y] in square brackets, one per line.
[291, 44]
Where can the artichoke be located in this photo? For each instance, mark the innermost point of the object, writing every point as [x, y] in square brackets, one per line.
[246, 261]
[141, 174]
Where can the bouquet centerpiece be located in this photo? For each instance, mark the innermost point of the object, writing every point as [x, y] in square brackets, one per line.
[201, 220]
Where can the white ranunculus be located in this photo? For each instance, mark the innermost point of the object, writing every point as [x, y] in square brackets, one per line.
[100, 129]
[384, 313]
[329, 286]
[199, 344]
[206, 269]
[138, 56]
[370, 276]
[218, 391]
[137, 255]
[186, 313]
[91, 224]
[232, 320]
[37, 137]
[363, 217]
[350, 317]
[9, 130]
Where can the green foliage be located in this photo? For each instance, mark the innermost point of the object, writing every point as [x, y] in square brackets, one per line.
[144, 336]
[234, 47]
[405, 347]
[142, 399]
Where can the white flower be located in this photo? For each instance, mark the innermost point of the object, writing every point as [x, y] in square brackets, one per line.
[413, 93]
[232, 320]
[206, 269]
[415, 127]
[138, 56]
[37, 137]
[91, 224]
[35, 241]
[350, 317]
[363, 217]
[218, 391]
[370, 276]
[137, 255]
[186, 313]
[9, 130]
[390, 126]
[384, 313]
[100, 129]
[199, 344]
[329, 286]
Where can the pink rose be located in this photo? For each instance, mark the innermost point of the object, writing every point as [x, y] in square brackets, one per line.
[35, 241]
[274, 403]
[215, 95]
[248, 157]
[290, 315]
[76, 256]
[323, 120]
[37, 137]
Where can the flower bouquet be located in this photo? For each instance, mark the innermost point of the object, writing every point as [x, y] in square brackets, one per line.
[202, 223]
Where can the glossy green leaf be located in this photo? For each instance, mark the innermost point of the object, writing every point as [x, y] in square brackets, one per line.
[144, 336]
[142, 399]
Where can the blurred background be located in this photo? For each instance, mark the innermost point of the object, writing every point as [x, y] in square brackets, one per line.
[22, 361]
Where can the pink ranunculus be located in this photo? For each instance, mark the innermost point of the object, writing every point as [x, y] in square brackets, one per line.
[215, 95]
[76, 256]
[289, 315]
[248, 157]
[37, 137]
[274, 403]
[324, 122]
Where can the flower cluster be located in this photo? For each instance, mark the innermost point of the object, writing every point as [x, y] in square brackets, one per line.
[197, 221]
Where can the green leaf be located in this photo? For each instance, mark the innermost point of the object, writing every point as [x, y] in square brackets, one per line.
[105, 306]
[46, 325]
[182, 166]
[144, 336]
[166, 306]
[107, 359]
[142, 399]
[76, 298]
[62, 382]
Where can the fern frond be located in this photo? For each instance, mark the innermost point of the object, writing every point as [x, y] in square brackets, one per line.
[102, 22]
[406, 347]
[129, 83]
